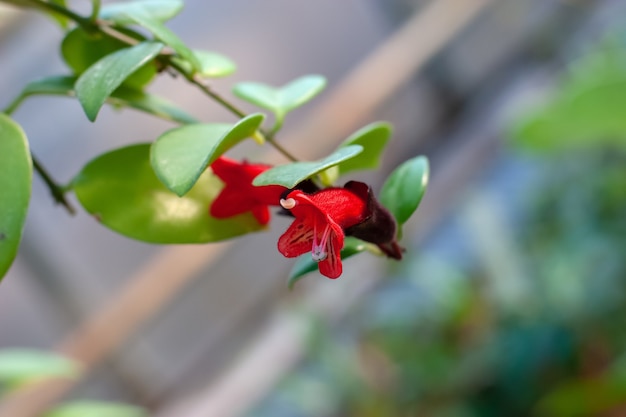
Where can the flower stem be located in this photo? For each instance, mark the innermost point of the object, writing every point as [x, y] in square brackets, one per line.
[58, 192]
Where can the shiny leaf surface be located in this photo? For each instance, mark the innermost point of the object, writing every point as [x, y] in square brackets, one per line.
[97, 83]
[281, 100]
[159, 10]
[290, 175]
[81, 50]
[166, 36]
[373, 138]
[404, 188]
[181, 155]
[15, 183]
[121, 191]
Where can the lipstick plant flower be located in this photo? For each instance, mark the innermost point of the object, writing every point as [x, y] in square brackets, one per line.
[239, 195]
[319, 226]
[323, 219]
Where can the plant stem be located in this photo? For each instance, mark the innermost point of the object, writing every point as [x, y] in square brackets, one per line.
[55, 189]
[56, 8]
[279, 148]
[92, 24]
[58, 192]
[202, 85]
[13, 105]
[95, 11]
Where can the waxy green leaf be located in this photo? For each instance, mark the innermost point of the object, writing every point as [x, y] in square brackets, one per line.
[81, 50]
[96, 409]
[96, 84]
[19, 366]
[212, 65]
[15, 184]
[373, 138]
[159, 10]
[281, 100]
[290, 175]
[166, 36]
[120, 189]
[122, 97]
[305, 263]
[179, 156]
[404, 188]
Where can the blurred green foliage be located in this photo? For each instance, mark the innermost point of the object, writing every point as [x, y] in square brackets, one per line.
[21, 367]
[434, 341]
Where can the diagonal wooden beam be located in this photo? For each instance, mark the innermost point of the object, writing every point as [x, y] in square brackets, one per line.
[387, 69]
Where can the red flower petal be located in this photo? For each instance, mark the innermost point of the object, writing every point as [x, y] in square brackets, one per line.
[239, 195]
[318, 226]
[331, 266]
[297, 239]
[230, 202]
[261, 213]
[343, 206]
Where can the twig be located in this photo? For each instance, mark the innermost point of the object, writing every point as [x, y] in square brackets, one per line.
[58, 192]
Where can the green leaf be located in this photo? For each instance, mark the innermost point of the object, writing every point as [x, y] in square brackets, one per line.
[283, 99]
[150, 103]
[166, 36]
[373, 138]
[55, 85]
[305, 263]
[404, 188]
[586, 111]
[120, 189]
[290, 175]
[19, 366]
[159, 10]
[179, 156]
[81, 50]
[16, 174]
[96, 84]
[122, 97]
[96, 409]
[212, 65]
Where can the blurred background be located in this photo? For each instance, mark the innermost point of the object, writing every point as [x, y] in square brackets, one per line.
[511, 298]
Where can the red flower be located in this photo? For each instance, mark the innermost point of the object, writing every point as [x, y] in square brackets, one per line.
[321, 219]
[239, 195]
[325, 217]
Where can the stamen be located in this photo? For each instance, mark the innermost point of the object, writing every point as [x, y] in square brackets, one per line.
[288, 203]
[318, 251]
